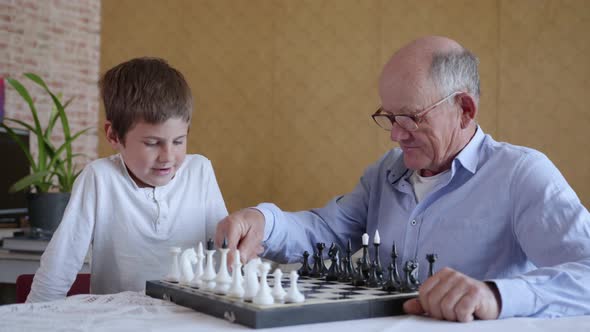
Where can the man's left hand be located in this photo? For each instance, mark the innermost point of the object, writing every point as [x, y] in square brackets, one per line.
[453, 296]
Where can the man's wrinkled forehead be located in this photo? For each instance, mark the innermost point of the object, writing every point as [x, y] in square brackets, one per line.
[408, 88]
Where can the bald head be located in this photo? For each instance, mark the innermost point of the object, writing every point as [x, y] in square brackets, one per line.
[428, 64]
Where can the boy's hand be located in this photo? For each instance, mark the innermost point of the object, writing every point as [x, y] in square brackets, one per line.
[451, 295]
[243, 230]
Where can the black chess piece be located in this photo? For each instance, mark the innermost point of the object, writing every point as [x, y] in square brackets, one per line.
[358, 279]
[348, 268]
[345, 273]
[391, 285]
[377, 261]
[316, 270]
[431, 258]
[323, 269]
[373, 280]
[305, 269]
[224, 244]
[210, 244]
[396, 276]
[412, 282]
[365, 262]
[334, 269]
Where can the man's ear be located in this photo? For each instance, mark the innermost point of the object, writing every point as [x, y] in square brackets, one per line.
[468, 108]
[111, 135]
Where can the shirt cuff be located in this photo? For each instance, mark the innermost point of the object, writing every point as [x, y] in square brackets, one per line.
[516, 296]
[269, 219]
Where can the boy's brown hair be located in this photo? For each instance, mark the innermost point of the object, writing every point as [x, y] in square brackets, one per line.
[144, 89]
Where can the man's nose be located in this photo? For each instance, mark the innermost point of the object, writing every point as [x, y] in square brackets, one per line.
[398, 133]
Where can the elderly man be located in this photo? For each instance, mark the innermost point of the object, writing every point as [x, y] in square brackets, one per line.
[510, 233]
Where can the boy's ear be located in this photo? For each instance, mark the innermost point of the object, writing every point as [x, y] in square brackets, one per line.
[112, 137]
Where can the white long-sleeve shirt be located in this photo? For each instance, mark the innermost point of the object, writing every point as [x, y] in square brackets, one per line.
[131, 228]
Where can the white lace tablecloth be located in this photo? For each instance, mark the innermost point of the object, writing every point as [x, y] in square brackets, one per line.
[131, 311]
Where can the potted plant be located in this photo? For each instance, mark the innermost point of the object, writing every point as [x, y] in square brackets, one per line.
[53, 170]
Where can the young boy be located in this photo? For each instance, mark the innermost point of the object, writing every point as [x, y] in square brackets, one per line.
[133, 206]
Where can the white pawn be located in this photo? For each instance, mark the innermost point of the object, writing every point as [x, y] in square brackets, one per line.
[277, 290]
[174, 273]
[197, 282]
[263, 296]
[237, 289]
[294, 295]
[223, 279]
[251, 279]
[209, 274]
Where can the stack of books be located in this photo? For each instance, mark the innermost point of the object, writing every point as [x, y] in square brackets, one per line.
[25, 241]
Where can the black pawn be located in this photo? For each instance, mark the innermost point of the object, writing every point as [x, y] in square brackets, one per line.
[345, 273]
[334, 270]
[348, 269]
[323, 268]
[373, 280]
[358, 279]
[305, 269]
[391, 285]
[377, 261]
[316, 270]
[431, 258]
[365, 262]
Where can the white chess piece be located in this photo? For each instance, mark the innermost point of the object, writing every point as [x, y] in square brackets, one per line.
[264, 295]
[365, 239]
[251, 279]
[209, 274]
[187, 259]
[237, 289]
[278, 293]
[223, 279]
[293, 294]
[174, 273]
[197, 282]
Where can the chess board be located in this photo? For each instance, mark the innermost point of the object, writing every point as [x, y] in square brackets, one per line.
[325, 301]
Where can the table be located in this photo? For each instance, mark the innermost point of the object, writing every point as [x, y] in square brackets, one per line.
[133, 311]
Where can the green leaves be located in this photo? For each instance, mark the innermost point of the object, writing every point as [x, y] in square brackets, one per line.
[53, 167]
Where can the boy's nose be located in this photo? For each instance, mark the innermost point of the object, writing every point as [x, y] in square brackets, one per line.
[165, 154]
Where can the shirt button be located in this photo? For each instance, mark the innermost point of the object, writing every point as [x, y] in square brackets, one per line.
[413, 222]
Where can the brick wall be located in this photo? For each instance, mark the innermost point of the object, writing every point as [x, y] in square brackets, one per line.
[60, 41]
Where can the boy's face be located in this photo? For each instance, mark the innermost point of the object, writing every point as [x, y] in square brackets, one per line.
[152, 152]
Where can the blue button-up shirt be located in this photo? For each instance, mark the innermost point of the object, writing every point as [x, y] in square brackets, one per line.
[506, 215]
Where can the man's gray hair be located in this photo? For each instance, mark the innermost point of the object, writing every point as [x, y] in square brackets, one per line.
[456, 71]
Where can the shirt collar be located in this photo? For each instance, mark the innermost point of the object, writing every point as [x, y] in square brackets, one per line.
[469, 156]
[160, 189]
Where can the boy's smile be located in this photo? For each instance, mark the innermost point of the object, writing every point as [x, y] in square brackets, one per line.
[152, 152]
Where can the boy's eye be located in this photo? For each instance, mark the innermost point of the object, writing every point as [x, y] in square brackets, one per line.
[150, 143]
[178, 142]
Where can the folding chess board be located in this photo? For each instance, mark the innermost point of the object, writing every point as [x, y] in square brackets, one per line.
[325, 301]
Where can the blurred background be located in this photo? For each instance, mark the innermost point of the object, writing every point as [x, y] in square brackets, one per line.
[284, 89]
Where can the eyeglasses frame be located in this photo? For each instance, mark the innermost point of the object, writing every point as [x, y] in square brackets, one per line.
[417, 117]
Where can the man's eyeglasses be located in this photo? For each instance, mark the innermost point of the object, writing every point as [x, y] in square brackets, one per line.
[408, 122]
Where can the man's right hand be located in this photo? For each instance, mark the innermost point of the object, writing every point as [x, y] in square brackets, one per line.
[243, 230]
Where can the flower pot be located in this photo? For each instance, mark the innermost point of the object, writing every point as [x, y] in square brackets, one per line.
[47, 209]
